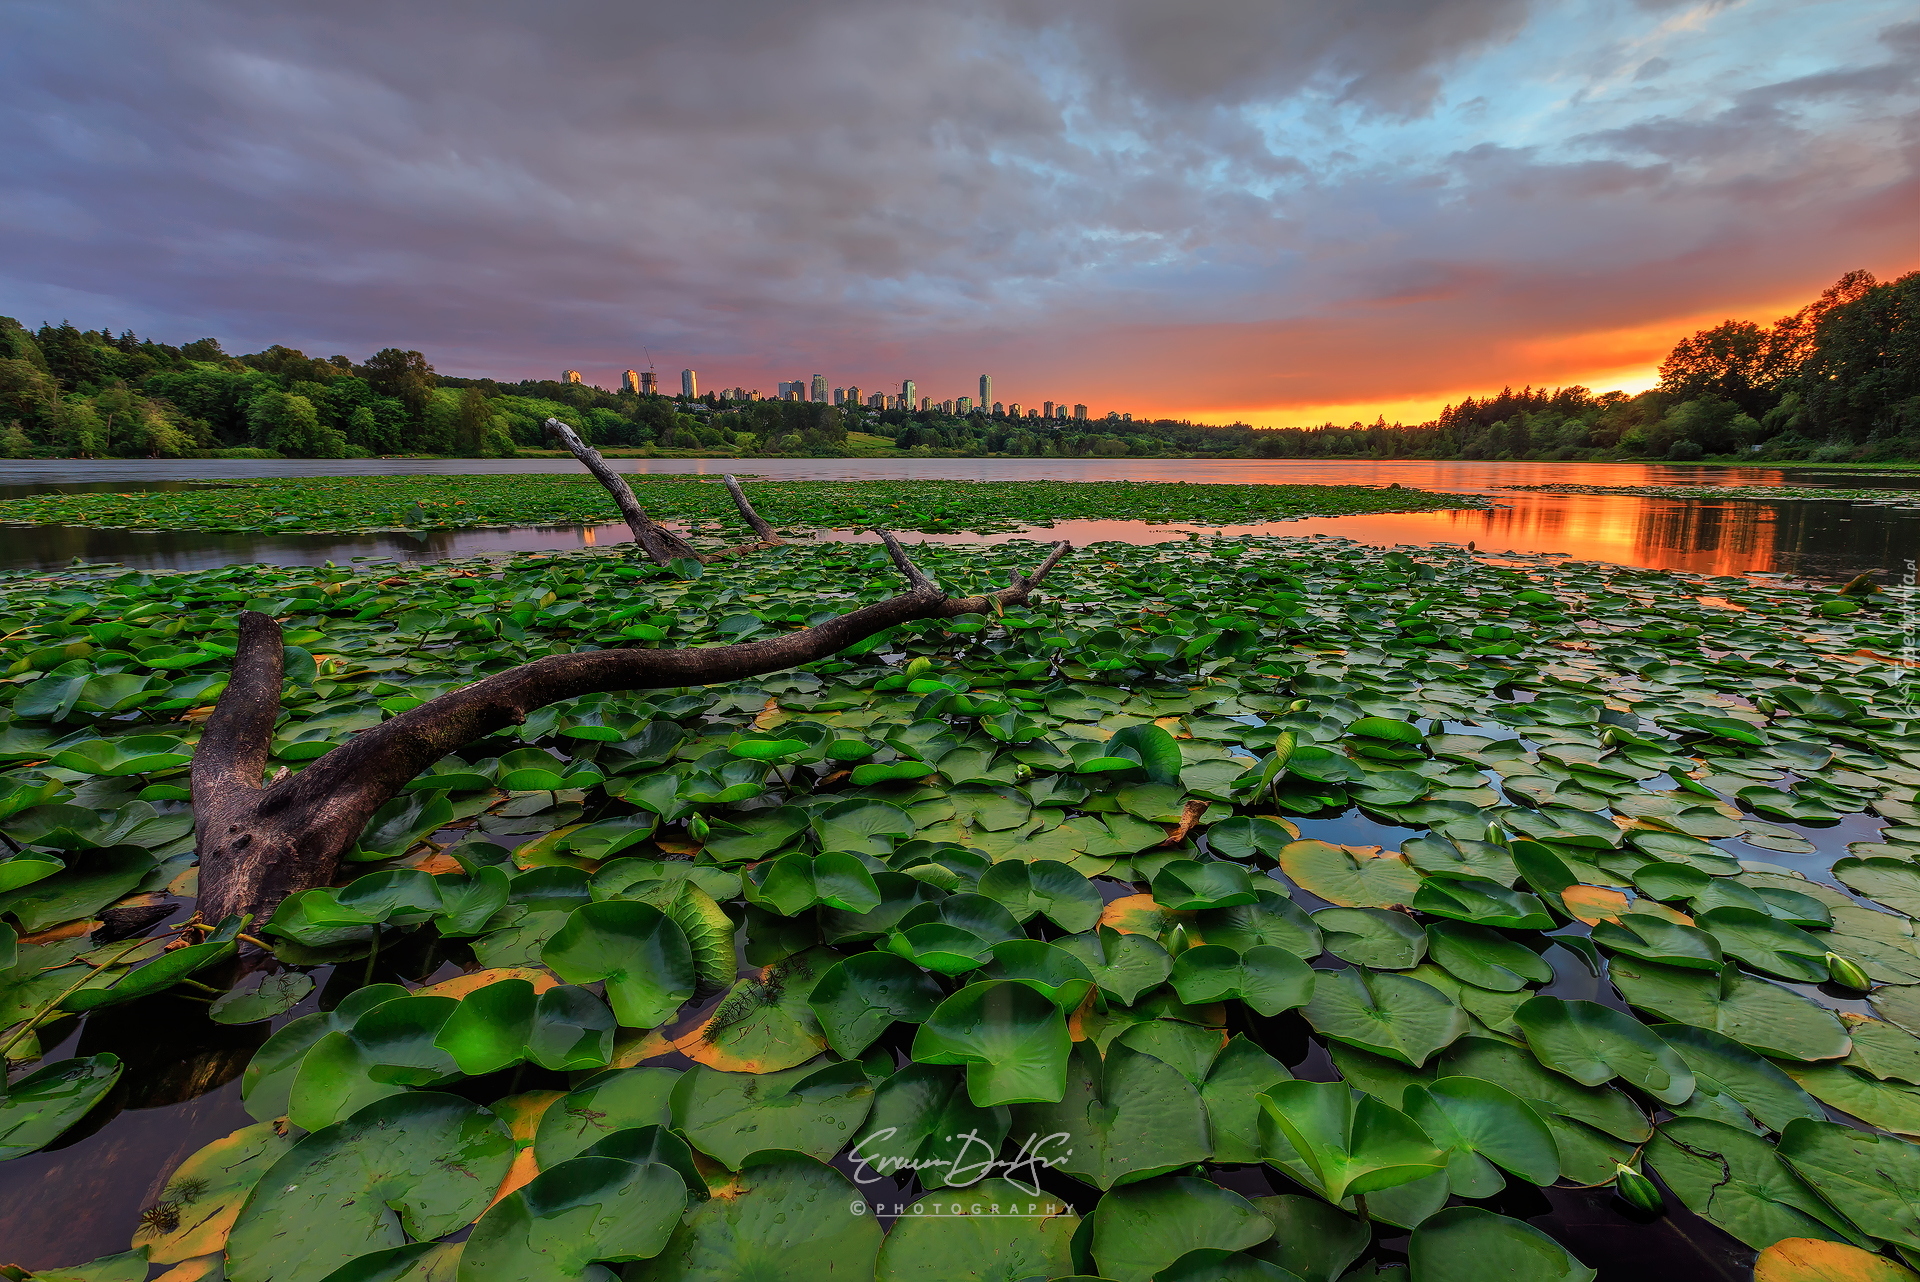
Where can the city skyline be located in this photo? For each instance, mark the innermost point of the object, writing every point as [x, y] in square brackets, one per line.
[1306, 217]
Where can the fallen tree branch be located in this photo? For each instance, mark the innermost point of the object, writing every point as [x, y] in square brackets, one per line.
[660, 544]
[260, 843]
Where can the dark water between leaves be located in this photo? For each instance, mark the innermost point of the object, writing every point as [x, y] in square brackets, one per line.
[1817, 538]
[81, 1198]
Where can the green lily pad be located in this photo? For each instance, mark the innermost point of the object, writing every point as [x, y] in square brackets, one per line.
[1759, 1015]
[1269, 980]
[1013, 1041]
[1015, 1234]
[604, 1105]
[1340, 877]
[810, 1109]
[1387, 1014]
[787, 1220]
[1238, 1075]
[421, 1164]
[1736, 1180]
[1127, 1117]
[860, 998]
[638, 950]
[44, 1103]
[1466, 1243]
[1733, 1085]
[1340, 1143]
[1480, 1126]
[922, 1122]
[1873, 1180]
[572, 1215]
[1141, 1229]
[1485, 958]
[1593, 1044]
[1376, 937]
[1124, 966]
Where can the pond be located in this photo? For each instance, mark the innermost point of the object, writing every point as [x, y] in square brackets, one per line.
[1815, 538]
[76, 1199]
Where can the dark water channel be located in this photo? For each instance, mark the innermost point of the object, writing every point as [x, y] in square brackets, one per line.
[82, 1198]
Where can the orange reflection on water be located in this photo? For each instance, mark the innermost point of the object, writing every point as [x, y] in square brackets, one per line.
[1667, 534]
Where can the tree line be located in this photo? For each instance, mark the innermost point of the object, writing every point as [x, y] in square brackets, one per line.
[1837, 380]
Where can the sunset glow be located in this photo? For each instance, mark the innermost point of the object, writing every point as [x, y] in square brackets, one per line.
[1258, 214]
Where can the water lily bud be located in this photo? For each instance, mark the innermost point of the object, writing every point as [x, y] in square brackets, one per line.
[1496, 834]
[1847, 973]
[1298, 705]
[1637, 1191]
[697, 828]
[916, 666]
[1177, 942]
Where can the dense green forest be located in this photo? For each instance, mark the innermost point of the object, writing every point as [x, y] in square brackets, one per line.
[1839, 380]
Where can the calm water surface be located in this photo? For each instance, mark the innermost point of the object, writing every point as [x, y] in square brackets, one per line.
[1821, 538]
[80, 1200]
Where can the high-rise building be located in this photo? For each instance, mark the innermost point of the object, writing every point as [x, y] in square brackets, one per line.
[570, 376]
[1080, 413]
[878, 401]
[839, 396]
[946, 407]
[631, 380]
[820, 388]
[907, 393]
[999, 410]
[926, 403]
[689, 384]
[1126, 418]
[964, 405]
[1013, 410]
[649, 383]
[986, 389]
[853, 396]
[1033, 413]
[1047, 412]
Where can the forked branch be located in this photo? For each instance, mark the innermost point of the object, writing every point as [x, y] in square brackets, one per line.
[260, 843]
[660, 544]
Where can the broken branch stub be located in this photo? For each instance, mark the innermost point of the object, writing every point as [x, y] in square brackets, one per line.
[259, 843]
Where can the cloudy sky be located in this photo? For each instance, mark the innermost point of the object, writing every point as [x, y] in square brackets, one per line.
[1276, 210]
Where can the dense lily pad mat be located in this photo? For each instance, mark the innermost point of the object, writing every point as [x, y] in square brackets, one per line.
[348, 504]
[632, 975]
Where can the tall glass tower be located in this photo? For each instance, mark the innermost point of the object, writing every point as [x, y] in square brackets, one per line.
[986, 389]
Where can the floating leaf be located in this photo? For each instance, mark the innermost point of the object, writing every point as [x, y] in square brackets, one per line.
[1467, 1244]
[1013, 1041]
[1342, 1143]
[788, 1220]
[1736, 1180]
[1237, 1076]
[1485, 958]
[1480, 1125]
[421, 1164]
[860, 998]
[923, 1123]
[1732, 1084]
[1340, 876]
[638, 950]
[1873, 1180]
[1124, 1118]
[1124, 966]
[572, 1215]
[1142, 1228]
[1801, 1259]
[1030, 1239]
[1593, 1044]
[1386, 1014]
[1376, 937]
[811, 1109]
[604, 1105]
[1267, 979]
[1759, 1015]
[38, 1107]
